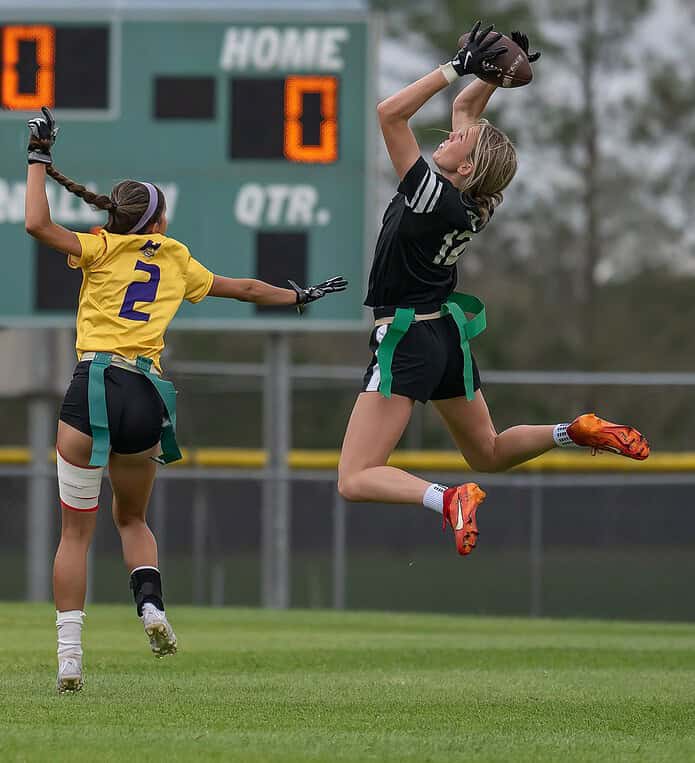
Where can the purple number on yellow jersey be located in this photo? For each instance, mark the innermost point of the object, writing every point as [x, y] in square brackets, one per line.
[132, 287]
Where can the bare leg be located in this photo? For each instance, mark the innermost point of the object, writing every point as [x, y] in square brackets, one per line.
[486, 451]
[77, 529]
[70, 565]
[132, 477]
[374, 429]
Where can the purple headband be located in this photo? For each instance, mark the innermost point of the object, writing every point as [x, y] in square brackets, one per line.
[151, 208]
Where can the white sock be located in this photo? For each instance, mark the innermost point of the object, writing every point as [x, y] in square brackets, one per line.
[434, 497]
[69, 626]
[562, 439]
[150, 607]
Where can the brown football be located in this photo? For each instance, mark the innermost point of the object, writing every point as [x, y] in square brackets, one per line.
[511, 69]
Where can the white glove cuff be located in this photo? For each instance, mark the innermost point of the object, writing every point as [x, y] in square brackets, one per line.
[449, 72]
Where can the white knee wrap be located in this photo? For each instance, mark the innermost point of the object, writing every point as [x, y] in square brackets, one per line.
[79, 486]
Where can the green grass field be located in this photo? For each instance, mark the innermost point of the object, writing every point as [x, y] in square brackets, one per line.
[320, 686]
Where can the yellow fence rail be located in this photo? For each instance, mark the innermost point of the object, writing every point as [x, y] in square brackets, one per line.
[562, 461]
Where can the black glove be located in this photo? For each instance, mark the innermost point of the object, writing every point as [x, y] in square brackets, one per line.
[43, 136]
[312, 293]
[522, 41]
[476, 51]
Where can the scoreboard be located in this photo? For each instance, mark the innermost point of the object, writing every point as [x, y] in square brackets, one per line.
[257, 130]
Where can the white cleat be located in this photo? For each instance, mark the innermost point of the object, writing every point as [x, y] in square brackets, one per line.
[69, 675]
[160, 633]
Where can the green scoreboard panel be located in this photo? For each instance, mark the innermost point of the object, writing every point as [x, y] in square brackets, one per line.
[256, 128]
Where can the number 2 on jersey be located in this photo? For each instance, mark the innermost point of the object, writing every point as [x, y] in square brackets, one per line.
[140, 291]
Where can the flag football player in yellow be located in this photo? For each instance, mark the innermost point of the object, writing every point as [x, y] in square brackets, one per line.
[118, 409]
[423, 327]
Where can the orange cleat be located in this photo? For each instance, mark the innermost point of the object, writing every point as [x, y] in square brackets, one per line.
[592, 432]
[460, 506]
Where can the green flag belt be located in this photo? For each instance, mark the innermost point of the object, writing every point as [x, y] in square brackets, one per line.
[98, 417]
[456, 306]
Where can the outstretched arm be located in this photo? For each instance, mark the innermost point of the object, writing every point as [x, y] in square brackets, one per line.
[394, 114]
[470, 104]
[251, 290]
[395, 111]
[37, 215]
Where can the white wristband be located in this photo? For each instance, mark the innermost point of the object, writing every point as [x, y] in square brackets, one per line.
[450, 74]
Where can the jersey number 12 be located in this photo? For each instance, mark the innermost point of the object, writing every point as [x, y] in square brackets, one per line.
[453, 246]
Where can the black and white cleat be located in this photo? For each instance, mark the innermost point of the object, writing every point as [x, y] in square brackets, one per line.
[159, 631]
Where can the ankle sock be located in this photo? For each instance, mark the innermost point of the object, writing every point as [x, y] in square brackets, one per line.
[69, 625]
[562, 439]
[146, 585]
[434, 497]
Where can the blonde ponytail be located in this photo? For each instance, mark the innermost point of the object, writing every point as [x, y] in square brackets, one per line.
[494, 166]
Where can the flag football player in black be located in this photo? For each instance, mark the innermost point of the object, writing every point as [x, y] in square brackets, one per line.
[423, 327]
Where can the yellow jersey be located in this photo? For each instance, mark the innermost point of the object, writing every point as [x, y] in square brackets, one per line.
[132, 287]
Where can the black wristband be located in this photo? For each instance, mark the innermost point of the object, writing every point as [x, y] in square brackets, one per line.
[38, 152]
[39, 157]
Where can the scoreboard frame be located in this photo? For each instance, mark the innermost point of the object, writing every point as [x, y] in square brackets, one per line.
[114, 18]
[115, 60]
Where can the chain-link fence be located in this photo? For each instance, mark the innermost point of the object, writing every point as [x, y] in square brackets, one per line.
[266, 527]
[559, 545]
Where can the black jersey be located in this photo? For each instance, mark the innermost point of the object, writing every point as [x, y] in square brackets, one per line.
[424, 231]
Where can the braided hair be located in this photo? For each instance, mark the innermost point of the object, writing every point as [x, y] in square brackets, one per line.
[125, 206]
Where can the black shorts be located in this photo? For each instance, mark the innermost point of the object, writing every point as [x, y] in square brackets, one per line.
[135, 410]
[427, 363]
